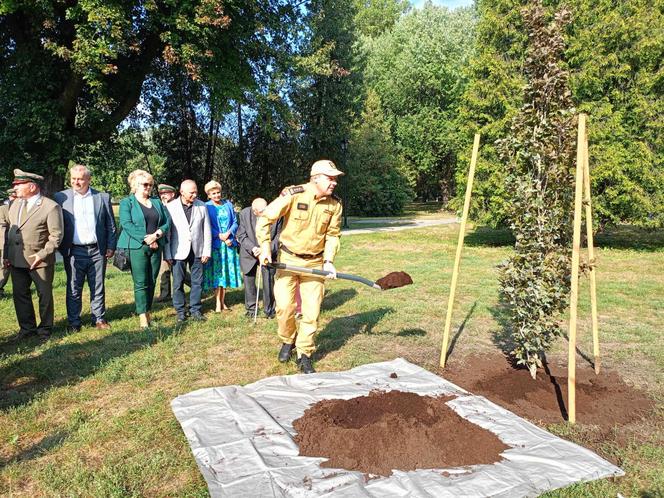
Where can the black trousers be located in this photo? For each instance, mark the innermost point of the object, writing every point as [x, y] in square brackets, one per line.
[267, 278]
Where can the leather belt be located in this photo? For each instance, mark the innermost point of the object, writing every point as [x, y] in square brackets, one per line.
[85, 245]
[303, 256]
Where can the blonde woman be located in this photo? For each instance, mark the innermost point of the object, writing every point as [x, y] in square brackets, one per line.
[223, 269]
[144, 221]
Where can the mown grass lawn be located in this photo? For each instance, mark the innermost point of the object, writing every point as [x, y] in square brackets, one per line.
[88, 414]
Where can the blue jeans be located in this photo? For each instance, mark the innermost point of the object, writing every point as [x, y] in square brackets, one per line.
[196, 270]
[85, 263]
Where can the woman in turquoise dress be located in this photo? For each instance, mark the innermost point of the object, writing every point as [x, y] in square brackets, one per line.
[223, 270]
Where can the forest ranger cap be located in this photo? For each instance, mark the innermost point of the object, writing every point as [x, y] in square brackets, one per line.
[325, 167]
[26, 177]
[163, 188]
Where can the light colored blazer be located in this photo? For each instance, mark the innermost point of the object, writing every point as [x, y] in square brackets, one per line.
[40, 232]
[185, 236]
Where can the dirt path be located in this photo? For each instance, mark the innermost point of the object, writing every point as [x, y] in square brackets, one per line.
[396, 224]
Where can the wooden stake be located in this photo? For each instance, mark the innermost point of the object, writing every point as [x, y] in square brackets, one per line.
[457, 259]
[591, 254]
[574, 295]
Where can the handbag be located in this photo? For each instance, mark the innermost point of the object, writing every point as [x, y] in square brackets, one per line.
[121, 260]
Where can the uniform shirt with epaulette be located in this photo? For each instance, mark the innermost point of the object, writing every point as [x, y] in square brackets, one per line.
[311, 227]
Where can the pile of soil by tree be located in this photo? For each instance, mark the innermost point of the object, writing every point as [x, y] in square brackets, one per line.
[603, 400]
[394, 280]
[393, 430]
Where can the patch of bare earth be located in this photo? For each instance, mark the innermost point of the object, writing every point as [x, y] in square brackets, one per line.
[604, 400]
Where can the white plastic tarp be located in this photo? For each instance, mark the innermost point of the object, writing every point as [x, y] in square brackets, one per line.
[242, 440]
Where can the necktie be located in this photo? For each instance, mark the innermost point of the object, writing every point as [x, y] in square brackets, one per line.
[21, 208]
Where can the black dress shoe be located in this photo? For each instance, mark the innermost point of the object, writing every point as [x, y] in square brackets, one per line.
[270, 316]
[285, 352]
[44, 333]
[71, 329]
[25, 333]
[304, 362]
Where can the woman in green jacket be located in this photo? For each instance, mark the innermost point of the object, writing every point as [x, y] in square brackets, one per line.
[144, 221]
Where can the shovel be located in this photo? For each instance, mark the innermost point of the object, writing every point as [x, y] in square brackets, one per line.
[389, 281]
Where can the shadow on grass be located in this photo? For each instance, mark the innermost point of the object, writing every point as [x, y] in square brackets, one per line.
[335, 299]
[630, 237]
[23, 380]
[340, 330]
[489, 237]
[502, 337]
[458, 333]
[615, 237]
[411, 333]
[48, 443]
[589, 359]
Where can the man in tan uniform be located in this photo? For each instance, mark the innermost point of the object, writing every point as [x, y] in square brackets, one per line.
[309, 238]
[35, 232]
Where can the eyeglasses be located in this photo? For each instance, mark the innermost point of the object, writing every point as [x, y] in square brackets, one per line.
[147, 185]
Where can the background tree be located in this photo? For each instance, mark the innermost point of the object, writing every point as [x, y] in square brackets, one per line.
[73, 71]
[415, 70]
[614, 53]
[385, 188]
[538, 158]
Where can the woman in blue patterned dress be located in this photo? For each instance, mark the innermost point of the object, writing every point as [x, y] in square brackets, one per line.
[223, 270]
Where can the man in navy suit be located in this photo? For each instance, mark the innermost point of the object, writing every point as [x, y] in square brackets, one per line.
[89, 240]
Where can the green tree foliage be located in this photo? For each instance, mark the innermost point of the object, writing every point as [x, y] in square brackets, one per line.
[414, 69]
[327, 93]
[71, 72]
[614, 54]
[375, 17]
[490, 101]
[538, 158]
[272, 159]
[384, 188]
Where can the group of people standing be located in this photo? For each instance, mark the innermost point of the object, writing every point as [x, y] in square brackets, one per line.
[203, 244]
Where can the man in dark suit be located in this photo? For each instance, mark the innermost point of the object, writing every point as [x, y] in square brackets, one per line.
[249, 251]
[35, 232]
[89, 240]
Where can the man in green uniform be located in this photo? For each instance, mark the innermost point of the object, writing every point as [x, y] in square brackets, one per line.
[309, 238]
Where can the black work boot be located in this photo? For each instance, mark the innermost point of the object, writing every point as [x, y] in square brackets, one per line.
[285, 352]
[304, 362]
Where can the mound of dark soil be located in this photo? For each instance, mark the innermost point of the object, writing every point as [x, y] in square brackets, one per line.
[394, 280]
[393, 430]
[604, 400]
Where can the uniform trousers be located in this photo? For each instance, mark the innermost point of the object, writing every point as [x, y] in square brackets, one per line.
[312, 289]
[145, 264]
[85, 263]
[22, 278]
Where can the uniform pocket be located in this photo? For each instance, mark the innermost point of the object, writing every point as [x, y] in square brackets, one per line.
[323, 222]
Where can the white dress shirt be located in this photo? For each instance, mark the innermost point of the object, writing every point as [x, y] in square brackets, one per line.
[84, 219]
